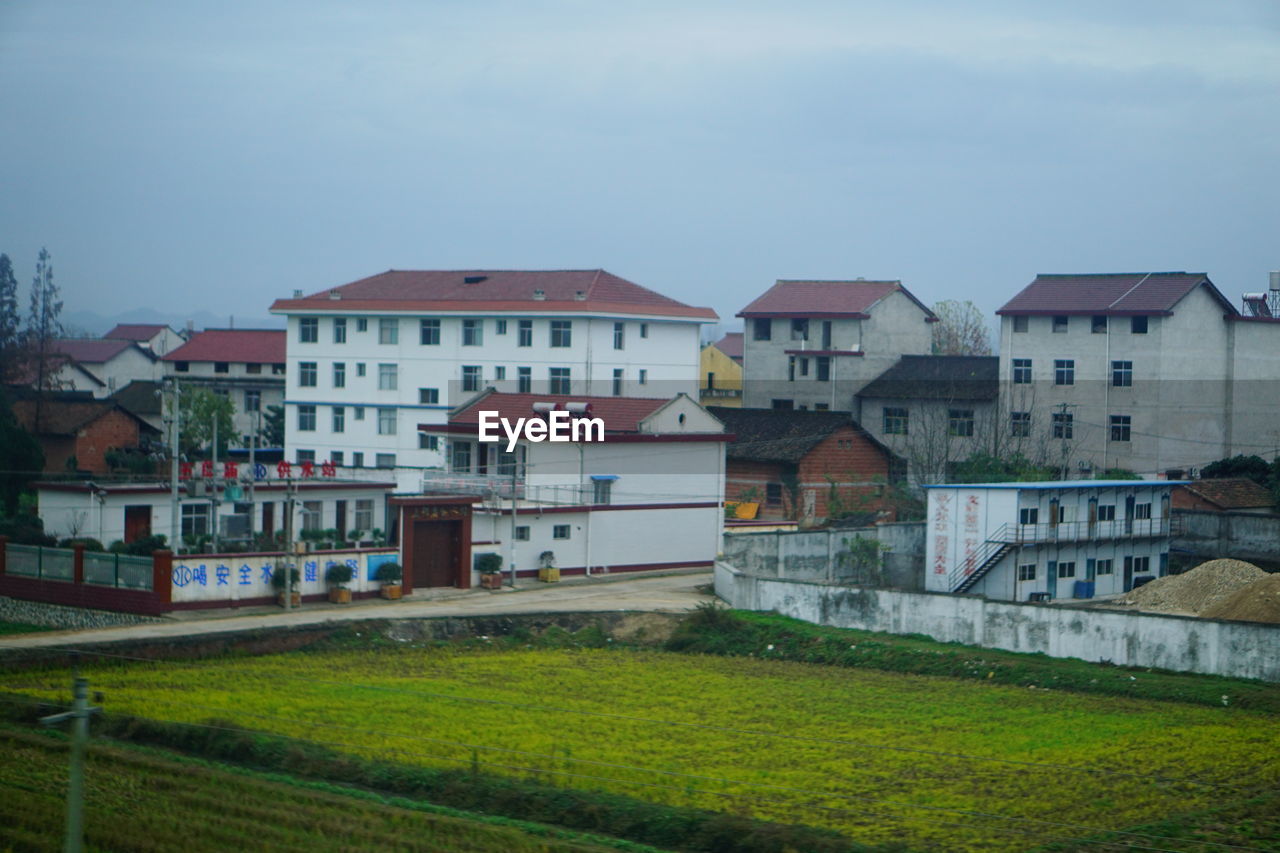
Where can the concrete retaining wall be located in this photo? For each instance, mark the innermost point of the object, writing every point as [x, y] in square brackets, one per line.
[812, 555]
[1184, 644]
[1239, 535]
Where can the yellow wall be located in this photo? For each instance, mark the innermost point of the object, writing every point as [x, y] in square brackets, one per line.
[728, 390]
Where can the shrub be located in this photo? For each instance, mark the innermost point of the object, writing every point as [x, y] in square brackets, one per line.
[278, 577]
[488, 564]
[338, 574]
[389, 573]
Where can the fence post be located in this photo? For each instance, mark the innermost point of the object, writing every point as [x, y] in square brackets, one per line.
[77, 564]
[162, 578]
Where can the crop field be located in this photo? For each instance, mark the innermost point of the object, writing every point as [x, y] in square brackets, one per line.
[937, 763]
[142, 801]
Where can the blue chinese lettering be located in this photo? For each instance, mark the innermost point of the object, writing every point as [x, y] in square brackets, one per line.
[181, 575]
[259, 471]
[246, 575]
[200, 575]
[310, 570]
[266, 573]
[224, 572]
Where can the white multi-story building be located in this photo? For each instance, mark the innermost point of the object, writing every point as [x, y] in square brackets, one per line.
[649, 495]
[245, 365]
[1047, 540]
[1151, 372]
[371, 360]
[814, 344]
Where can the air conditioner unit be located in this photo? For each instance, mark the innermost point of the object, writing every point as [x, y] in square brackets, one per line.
[1193, 473]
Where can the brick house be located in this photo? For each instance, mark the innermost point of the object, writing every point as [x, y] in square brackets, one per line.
[76, 427]
[795, 462]
[1226, 494]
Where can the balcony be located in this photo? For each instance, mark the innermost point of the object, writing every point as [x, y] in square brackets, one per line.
[495, 488]
[1086, 531]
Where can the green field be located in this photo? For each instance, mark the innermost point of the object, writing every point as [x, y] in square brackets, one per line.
[21, 628]
[144, 800]
[938, 763]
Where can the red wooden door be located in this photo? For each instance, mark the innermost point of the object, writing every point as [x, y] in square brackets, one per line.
[435, 553]
[137, 523]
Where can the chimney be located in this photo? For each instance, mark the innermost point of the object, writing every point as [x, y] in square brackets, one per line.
[580, 296]
[540, 294]
[333, 294]
[297, 294]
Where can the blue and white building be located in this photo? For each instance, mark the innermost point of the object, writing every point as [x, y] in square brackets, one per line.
[1047, 540]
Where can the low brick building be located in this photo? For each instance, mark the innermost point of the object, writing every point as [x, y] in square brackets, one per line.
[1226, 494]
[805, 466]
[75, 431]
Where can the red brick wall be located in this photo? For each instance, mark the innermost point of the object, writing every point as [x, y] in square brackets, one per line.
[1183, 499]
[113, 430]
[745, 477]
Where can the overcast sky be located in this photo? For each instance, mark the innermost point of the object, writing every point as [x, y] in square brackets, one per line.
[186, 156]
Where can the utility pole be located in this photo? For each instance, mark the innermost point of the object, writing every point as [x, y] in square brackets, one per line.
[213, 491]
[1062, 408]
[515, 465]
[79, 715]
[175, 434]
[291, 551]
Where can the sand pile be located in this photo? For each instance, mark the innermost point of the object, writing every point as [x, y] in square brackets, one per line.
[1197, 590]
[1257, 602]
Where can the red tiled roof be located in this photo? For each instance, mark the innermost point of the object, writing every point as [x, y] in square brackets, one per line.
[825, 298]
[264, 346]
[620, 414]
[90, 350]
[135, 331]
[1110, 293]
[495, 290]
[1232, 493]
[731, 345]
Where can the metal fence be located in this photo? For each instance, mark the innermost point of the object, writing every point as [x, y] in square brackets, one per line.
[122, 571]
[36, 561]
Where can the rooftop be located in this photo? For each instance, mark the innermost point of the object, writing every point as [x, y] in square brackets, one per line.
[1062, 484]
[92, 350]
[67, 416]
[1232, 493]
[137, 332]
[772, 435]
[515, 291]
[731, 345]
[1120, 294]
[938, 377]
[250, 346]
[851, 299]
[620, 414]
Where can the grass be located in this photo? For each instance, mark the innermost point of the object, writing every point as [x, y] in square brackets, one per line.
[21, 628]
[875, 755]
[146, 800]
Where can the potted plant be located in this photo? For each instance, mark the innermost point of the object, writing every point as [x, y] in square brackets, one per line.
[337, 576]
[490, 568]
[332, 539]
[353, 538]
[278, 583]
[389, 575]
[547, 571]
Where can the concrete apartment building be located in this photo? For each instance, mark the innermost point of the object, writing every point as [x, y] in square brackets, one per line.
[1151, 372]
[814, 344]
[1047, 540]
[720, 375]
[245, 365]
[371, 360]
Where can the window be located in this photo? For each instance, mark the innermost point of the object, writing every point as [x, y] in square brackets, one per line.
[524, 379]
[619, 335]
[461, 461]
[253, 400]
[804, 367]
[1060, 322]
[384, 460]
[339, 330]
[221, 367]
[773, 494]
[388, 330]
[357, 461]
[1141, 565]
[1122, 374]
[364, 514]
[601, 491]
[387, 377]
[525, 333]
[307, 374]
[644, 330]
[1064, 371]
[1138, 325]
[823, 364]
[800, 329]
[522, 533]
[559, 380]
[181, 366]
[472, 333]
[311, 514]
[1020, 424]
[1022, 371]
[761, 329]
[386, 422]
[339, 374]
[1027, 572]
[254, 367]
[617, 382]
[1104, 567]
[791, 368]
[336, 457]
[643, 377]
[822, 407]
[561, 333]
[471, 377]
[1099, 325]
[1142, 511]
[1066, 570]
[500, 327]
[224, 393]
[1029, 515]
[306, 419]
[782, 405]
[560, 531]
[359, 368]
[339, 419]
[358, 411]
[362, 324]
[1063, 425]
[195, 519]
[428, 442]
[895, 421]
[1120, 426]
[308, 330]
[429, 333]
[428, 396]
[960, 422]
[306, 456]
[500, 372]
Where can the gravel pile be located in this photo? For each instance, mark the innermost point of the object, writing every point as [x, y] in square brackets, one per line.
[1257, 602]
[1195, 591]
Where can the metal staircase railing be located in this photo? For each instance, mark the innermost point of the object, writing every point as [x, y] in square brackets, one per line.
[975, 566]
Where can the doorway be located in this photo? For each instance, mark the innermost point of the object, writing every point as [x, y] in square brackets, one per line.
[137, 523]
[435, 553]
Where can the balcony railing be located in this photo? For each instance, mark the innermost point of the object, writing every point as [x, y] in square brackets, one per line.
[1082, 531]
[500, 487]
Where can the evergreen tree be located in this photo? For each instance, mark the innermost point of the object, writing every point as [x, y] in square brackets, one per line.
[10, 323]
[21, 459]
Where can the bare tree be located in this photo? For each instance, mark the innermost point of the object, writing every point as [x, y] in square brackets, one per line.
[961, 329]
